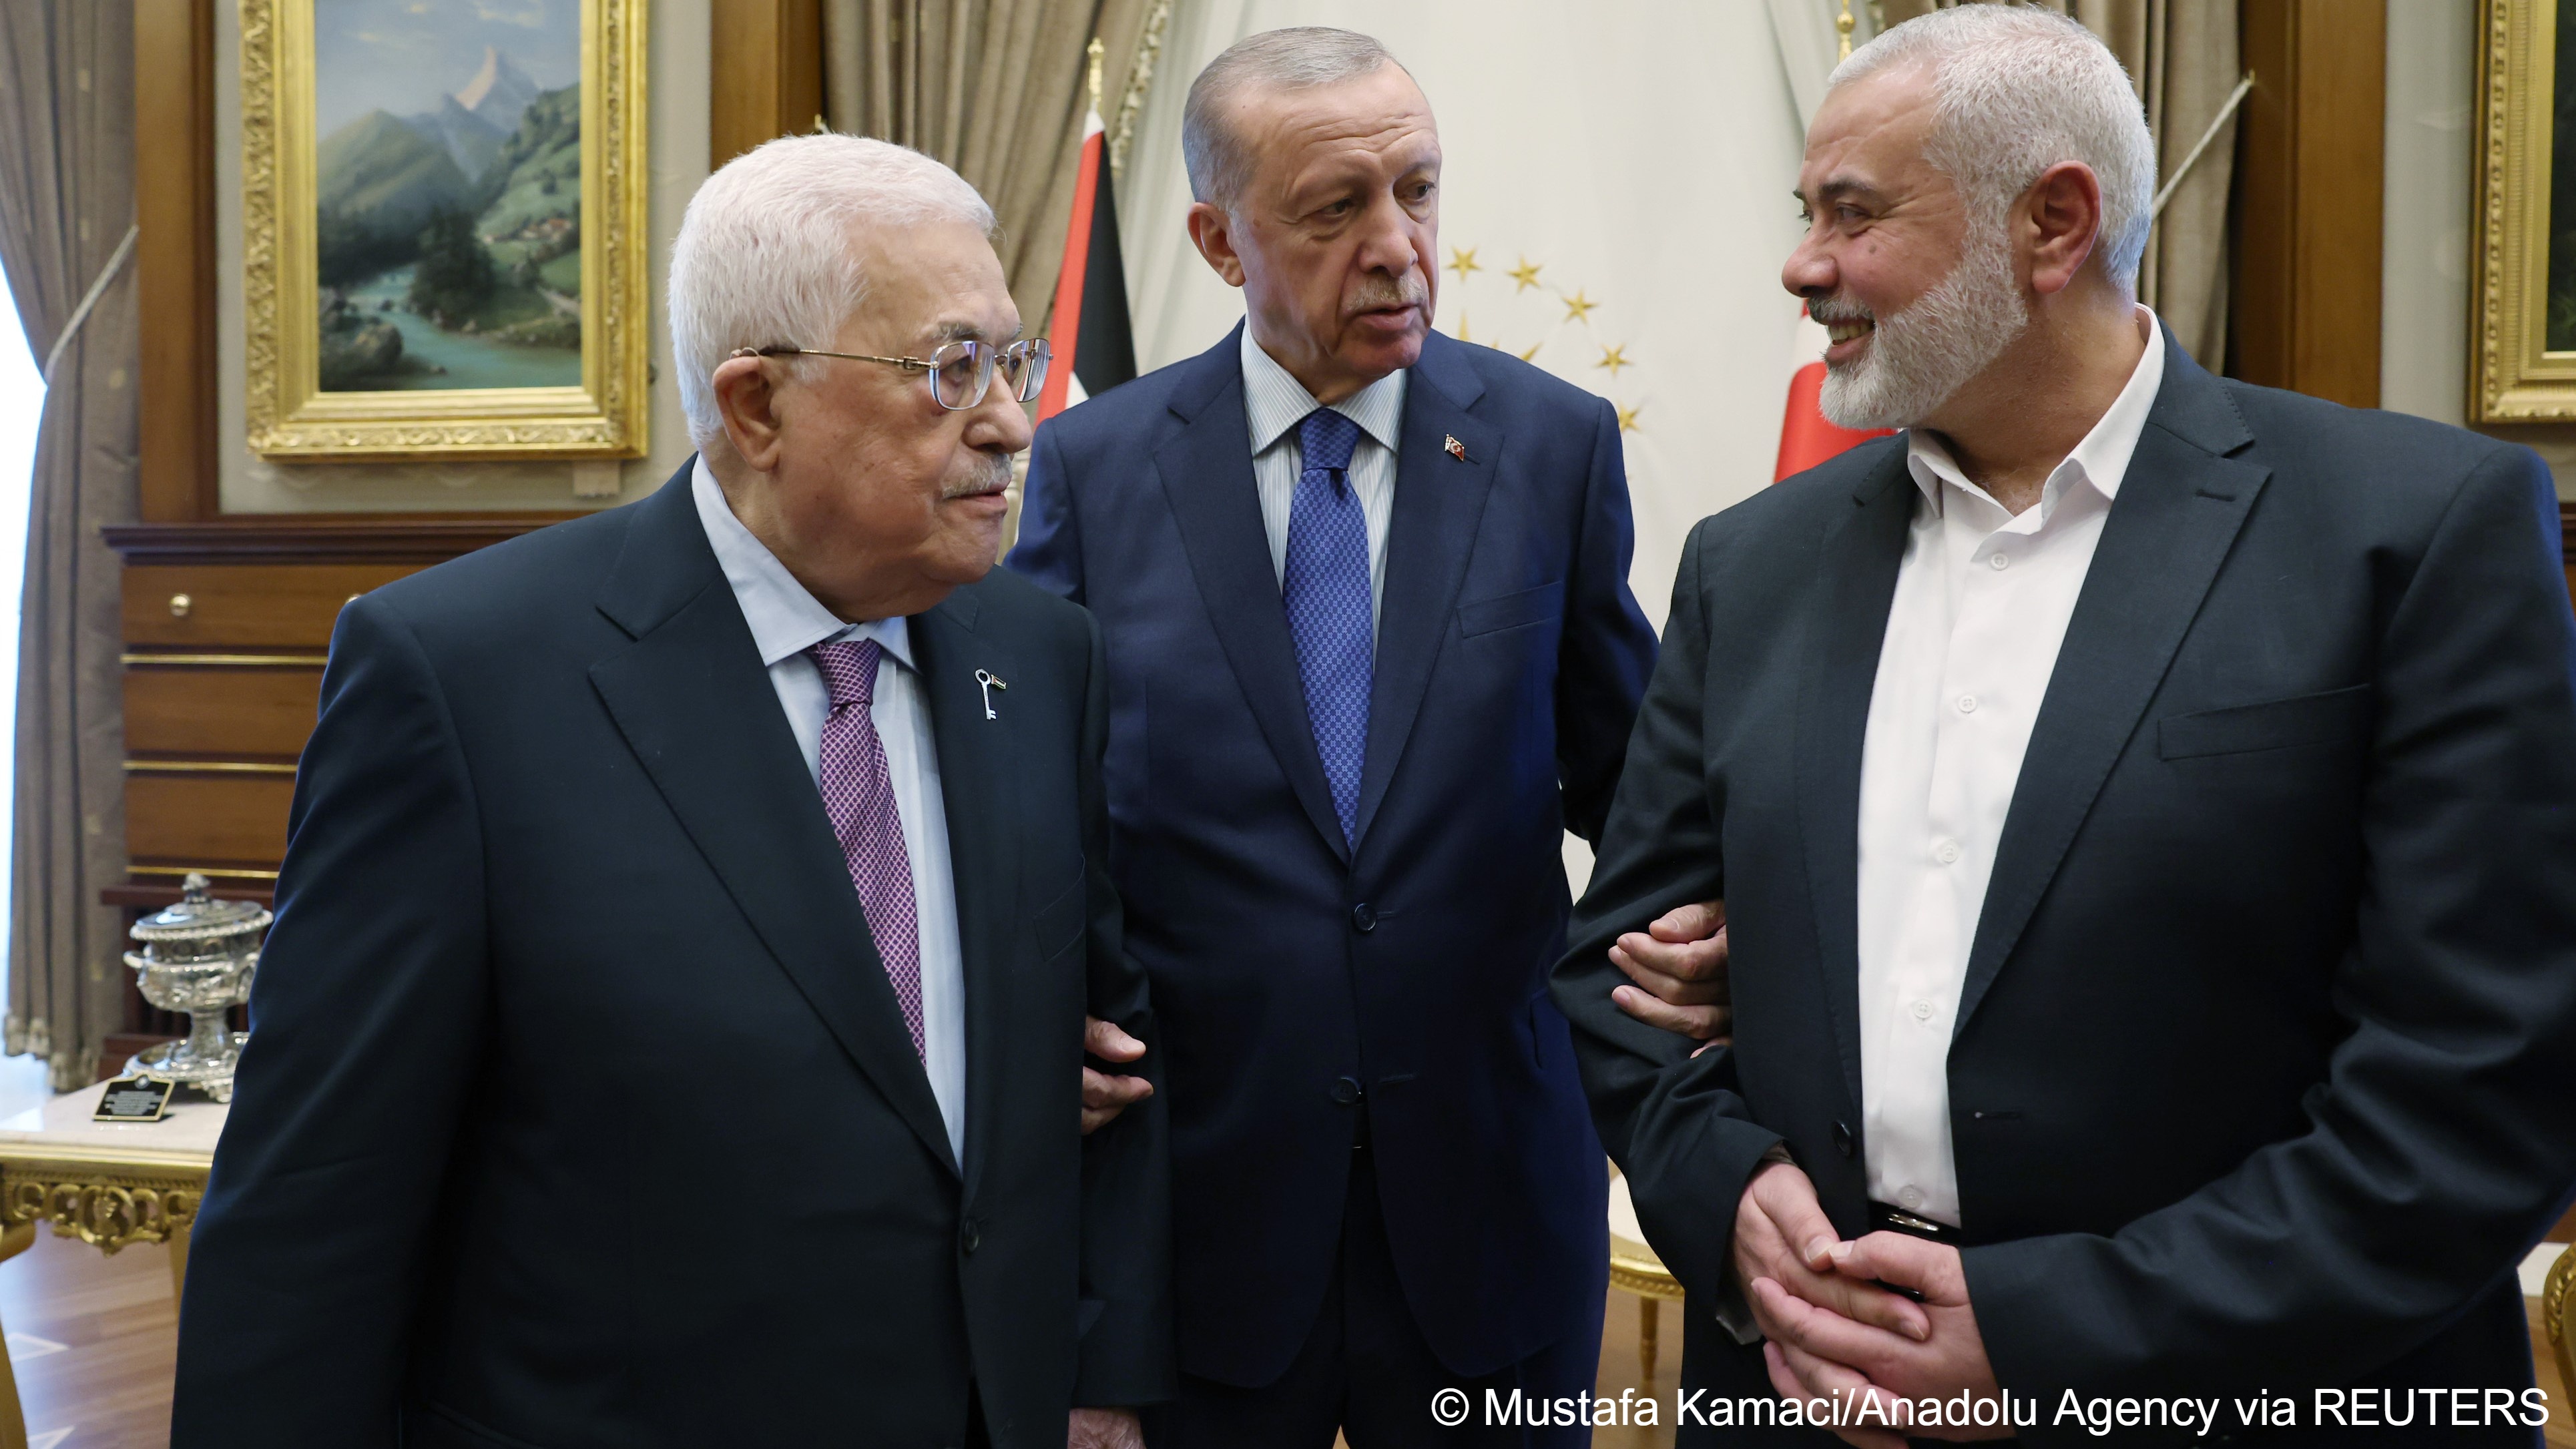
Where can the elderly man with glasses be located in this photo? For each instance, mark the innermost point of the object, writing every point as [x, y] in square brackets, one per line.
[672, 1031]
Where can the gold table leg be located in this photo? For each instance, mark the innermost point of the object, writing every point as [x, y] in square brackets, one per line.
[13, 1419]
[1650, 1322]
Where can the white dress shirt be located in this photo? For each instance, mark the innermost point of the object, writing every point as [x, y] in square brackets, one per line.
[1982, 603]
[1276, 403]
[786, 621]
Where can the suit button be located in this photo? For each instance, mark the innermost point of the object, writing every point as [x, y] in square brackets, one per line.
[1346, 1090]
[1363, 918]
[1843, 1139]
[971, 1236]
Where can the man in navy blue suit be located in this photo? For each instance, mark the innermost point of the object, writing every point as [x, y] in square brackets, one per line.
[1371, 652]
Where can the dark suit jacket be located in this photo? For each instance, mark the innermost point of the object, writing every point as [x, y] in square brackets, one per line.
[1290, 971]
[579, 1110]
[2265, 1068]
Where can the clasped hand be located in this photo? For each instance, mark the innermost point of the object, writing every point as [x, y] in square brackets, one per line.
[1835, 1333]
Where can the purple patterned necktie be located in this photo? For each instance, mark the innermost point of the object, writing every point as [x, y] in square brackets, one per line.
[858, 795]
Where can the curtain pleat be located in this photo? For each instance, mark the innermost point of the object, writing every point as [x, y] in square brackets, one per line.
[66, 201]
[995, 88]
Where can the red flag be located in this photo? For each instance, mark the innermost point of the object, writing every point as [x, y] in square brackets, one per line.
[1089, 331]
[1806, 436]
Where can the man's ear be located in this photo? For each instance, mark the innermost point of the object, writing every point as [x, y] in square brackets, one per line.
[1211, 231]
[747, 395]
[2064, 222]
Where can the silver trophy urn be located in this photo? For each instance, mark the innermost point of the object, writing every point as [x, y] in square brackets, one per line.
[197, 957]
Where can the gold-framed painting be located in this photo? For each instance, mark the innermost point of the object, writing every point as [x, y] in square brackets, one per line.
[443, 208]
[2522, 360]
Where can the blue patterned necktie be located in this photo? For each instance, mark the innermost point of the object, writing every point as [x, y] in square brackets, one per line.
[1326, 588]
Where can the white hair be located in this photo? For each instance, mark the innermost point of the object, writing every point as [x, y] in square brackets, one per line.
[764, 256]
[1296, 58]
[2018, 89]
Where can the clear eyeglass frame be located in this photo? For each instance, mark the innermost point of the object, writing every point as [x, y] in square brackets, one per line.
[961, 373]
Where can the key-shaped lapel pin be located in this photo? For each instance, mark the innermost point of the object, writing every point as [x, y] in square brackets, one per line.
[990, 682]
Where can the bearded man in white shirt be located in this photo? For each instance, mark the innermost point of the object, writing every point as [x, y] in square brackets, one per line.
[2145, 807]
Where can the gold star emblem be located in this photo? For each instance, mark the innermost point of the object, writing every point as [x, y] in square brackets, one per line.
[1524, 276]
[1462, 262]
[1628, 417]
[1532, 354]
[1577, 306]
[1462, 328]
[1614, 358]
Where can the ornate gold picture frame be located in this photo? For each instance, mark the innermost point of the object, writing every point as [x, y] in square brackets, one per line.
[2522, 360]
[444, 260]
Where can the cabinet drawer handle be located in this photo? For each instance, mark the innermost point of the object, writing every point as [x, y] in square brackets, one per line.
[180, 604]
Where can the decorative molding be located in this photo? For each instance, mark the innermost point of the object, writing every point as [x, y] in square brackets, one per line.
[108, 1206]
[321, 537]
[208, 767]
[1140, 80]
[2514, 377]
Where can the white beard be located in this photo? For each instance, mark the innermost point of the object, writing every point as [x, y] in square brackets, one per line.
[1919, 356]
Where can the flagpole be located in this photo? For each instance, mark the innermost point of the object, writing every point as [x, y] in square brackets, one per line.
[1094, 49]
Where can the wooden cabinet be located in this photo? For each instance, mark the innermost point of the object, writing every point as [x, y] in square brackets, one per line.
[232, 606]
[227, 625]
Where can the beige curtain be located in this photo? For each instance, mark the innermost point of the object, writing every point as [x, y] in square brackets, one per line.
[66, 201]
[2181, 55]
[997, 89]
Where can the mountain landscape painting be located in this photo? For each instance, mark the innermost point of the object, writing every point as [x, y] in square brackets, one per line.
[448, 179]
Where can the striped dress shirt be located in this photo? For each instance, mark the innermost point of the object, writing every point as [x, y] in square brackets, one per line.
[1275, 403]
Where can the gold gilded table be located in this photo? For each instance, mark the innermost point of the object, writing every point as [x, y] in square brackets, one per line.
[111, 1185]
[1634, 1268]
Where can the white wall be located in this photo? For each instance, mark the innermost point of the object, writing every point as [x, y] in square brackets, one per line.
[1642, 154]
[2424, 304]
[676, 91]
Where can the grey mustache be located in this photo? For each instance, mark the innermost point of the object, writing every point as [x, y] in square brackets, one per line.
[1827, 311]
[991, 476]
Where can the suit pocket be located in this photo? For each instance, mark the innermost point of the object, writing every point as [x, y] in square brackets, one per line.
[1059, 922]
[2308, 719]
[1511, 611]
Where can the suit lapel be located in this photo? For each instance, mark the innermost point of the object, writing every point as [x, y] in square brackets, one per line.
[1439, 501]
[1207, 474]
[1858, 562]
[977, 782]
[2180, 506]
[694, 703]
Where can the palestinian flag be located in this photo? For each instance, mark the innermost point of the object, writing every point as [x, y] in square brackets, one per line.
[1094, 346]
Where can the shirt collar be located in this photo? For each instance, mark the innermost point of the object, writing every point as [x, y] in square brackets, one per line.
[785, 619]
[2101, 460]
[1277, 401]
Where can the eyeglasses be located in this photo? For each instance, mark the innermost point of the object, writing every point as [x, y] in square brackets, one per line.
[960, 373]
